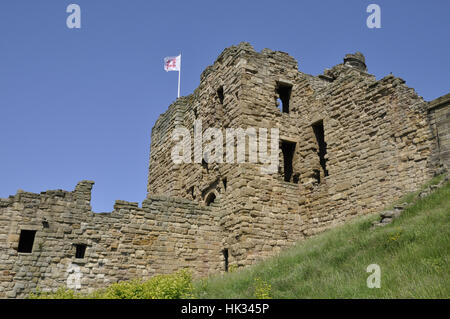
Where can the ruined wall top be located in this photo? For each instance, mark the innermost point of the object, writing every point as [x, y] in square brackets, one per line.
[356, 60]
[245, 49]
[439, 102]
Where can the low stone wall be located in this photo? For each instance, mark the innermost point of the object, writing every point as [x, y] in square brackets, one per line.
[163, 236]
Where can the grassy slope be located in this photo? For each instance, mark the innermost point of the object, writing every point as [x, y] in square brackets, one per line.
[413, 253]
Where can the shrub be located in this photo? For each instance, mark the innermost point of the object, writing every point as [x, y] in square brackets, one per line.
[262, 289]
[61, 293]
[173, 286]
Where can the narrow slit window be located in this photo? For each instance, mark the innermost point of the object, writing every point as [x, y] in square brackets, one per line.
[319, 132]
[26, 241]
[190, 191]
[225, 258]
[195, 113]
[80, 250]
[316, 175]
[220, 94]
[288, 149]
[284, 96]
[204, 164]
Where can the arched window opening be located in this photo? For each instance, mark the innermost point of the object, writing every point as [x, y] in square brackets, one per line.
[210, 198]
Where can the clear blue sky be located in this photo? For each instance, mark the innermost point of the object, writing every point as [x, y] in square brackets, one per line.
[80, 104]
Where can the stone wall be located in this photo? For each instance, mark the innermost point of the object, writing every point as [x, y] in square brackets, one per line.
[162, 236]
[439, 116]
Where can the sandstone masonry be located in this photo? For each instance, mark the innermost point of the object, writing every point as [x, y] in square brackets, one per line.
[349, 145]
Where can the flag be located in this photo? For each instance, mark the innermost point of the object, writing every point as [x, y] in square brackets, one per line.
[172, 63]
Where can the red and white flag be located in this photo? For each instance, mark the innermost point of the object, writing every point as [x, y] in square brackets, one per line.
[172, 63]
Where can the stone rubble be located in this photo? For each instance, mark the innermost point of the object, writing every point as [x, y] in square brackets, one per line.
[386, 217]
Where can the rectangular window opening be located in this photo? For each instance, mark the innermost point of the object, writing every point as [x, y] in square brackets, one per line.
[26, 241]
[288, 149]
[319, 132]
[225, 258]
[80, 250]
[284, 95]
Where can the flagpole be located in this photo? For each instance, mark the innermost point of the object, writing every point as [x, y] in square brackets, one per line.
[179, 77]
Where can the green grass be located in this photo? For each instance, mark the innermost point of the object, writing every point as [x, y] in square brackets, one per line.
[413, 253]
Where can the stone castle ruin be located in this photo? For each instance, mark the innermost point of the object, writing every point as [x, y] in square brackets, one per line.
[348, 145]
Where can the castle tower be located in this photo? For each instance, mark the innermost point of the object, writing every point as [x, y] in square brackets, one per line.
[348, 144]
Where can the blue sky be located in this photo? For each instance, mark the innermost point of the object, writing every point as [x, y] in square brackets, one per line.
[80, 103]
